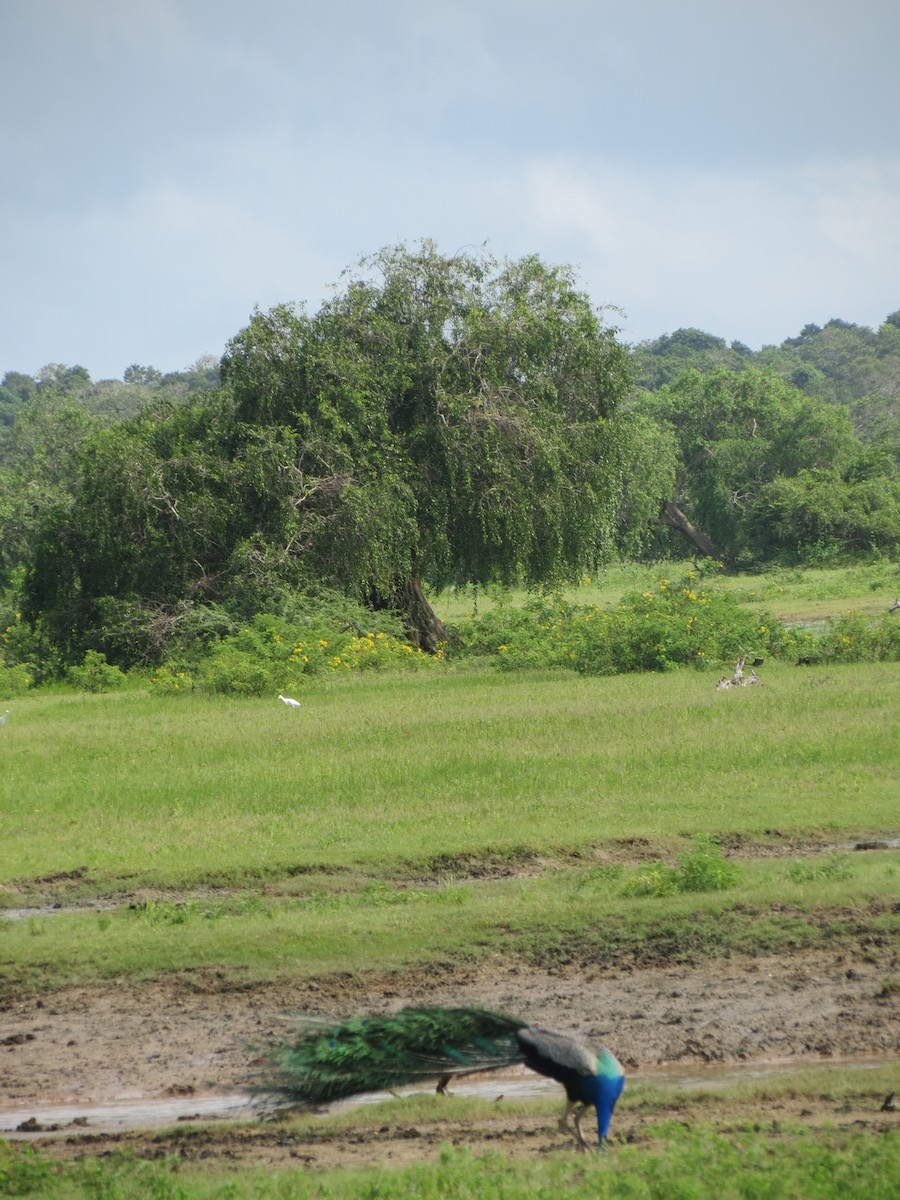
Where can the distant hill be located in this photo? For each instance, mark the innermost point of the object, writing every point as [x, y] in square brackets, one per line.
[839, 362]
[107, 399]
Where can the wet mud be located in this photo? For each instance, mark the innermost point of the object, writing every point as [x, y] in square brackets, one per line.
[87, 1070]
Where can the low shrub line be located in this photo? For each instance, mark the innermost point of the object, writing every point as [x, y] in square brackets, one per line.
[689, 621]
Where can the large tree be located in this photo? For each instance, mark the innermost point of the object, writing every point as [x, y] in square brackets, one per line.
[441, 419]
[450, 419]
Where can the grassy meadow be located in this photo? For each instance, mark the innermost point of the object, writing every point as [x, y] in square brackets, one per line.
[790, 593]
[383, 772]
[592, 912]
[455, 814]
[367, 808]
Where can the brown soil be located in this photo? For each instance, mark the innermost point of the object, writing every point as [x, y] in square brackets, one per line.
[194, 1033]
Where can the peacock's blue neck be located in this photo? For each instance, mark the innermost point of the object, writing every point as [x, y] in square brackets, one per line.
[606, 1090]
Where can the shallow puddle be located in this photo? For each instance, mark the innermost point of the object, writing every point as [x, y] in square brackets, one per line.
[124, 1113]
[114, 1116]
[519, 1082]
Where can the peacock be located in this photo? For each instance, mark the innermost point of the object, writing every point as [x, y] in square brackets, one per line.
[371, 1053]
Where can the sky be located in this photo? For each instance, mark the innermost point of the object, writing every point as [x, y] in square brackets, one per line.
[169, 165]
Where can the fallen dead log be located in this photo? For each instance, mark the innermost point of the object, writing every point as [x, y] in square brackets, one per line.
[738, 678]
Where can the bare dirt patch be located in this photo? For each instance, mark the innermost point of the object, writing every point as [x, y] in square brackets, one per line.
[195, 1032]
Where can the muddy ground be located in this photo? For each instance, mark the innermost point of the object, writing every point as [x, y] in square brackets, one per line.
[194, 1034]
[281, 1145]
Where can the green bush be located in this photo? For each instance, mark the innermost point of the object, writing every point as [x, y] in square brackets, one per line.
[14, 681]
[95, 674]
[854, 637]
[674, 623]
[26, 660]
[170, 681]
[272, 654]
[17, 642]
[704, 869]
[231, 670]
[26, 645]
[535, 635]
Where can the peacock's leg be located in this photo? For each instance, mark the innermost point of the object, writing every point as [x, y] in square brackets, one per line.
[582, 1144]
[443, 1084]
[564, 1119]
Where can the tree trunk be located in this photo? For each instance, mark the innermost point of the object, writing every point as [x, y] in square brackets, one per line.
[674, 517]
[423, 626]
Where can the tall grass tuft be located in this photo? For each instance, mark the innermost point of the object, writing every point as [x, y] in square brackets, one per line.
[703, 869]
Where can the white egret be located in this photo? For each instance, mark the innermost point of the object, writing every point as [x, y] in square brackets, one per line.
[289, 701]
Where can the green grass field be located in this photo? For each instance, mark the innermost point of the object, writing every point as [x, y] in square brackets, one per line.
[457, 814]
[397, 769]
[556, 914]
[353, 810]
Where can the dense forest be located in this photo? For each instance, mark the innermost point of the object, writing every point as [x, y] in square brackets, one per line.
[439, 421]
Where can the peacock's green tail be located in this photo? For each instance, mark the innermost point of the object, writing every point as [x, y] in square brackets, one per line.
[323, 1063]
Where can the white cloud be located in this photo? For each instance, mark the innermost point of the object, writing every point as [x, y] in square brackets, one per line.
[171, 163]
[859, 212]
[698, 243]
[174, 269]
[162, 278]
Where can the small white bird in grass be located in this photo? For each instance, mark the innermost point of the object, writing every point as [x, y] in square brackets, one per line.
[289, 702]
[3, 718]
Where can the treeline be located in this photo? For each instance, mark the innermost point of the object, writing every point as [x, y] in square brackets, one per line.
[110, 399]
[840, 362]
[439, 421]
